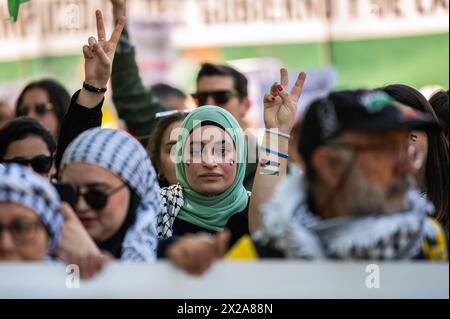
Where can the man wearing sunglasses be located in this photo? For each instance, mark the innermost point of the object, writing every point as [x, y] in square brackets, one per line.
[223, 86]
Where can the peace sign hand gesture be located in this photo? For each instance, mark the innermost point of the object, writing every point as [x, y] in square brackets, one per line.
[99, 54]
[280, 106]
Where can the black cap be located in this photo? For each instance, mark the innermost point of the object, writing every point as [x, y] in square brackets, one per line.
[361, 110]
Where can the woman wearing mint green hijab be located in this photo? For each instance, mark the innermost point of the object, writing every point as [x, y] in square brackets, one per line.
[210, 169]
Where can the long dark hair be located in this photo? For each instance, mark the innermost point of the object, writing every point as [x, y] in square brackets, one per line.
[57, 95]
[154, 143]
[436, 183]
[440, 103]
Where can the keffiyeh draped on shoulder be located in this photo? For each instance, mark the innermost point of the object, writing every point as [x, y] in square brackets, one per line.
[290, 227]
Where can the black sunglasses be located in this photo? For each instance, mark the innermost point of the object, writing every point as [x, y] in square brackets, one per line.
[40, 109]
[97, 199]
[219, 97]
[41, 164]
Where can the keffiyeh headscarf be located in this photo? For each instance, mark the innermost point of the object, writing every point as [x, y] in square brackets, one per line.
[289, 226]
[121, 154]
[18, 184]
[181, 201]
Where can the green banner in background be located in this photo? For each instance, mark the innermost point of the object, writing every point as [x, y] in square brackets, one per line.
[370, 43]
[417, 61]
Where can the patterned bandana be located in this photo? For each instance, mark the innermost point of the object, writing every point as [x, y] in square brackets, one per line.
[290, 227]
[122, 155]
[18, 184]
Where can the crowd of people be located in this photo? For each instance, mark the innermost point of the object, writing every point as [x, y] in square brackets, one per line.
[363, 175]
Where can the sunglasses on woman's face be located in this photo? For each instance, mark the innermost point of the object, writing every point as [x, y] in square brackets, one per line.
[41, 164]
[220, 97]
[97, 199]
[40, 109]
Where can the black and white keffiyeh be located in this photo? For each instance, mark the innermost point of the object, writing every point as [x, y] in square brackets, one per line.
[124, 156]
[19, 184]
[289, 226]
[172, 201]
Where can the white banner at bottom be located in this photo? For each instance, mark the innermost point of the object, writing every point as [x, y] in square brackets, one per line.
[225, 280]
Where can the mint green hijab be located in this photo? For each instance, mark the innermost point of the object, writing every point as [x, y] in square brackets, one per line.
[212, 212]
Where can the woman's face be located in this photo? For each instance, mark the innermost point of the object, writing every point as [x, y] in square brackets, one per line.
[22, 235]
[34, 97]
[166, 162]
[28, 148]
[101, 224]
[210, 160]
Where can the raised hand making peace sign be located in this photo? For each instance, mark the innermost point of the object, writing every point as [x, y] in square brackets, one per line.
[98, 59]
[280, 106]
[99, 54]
